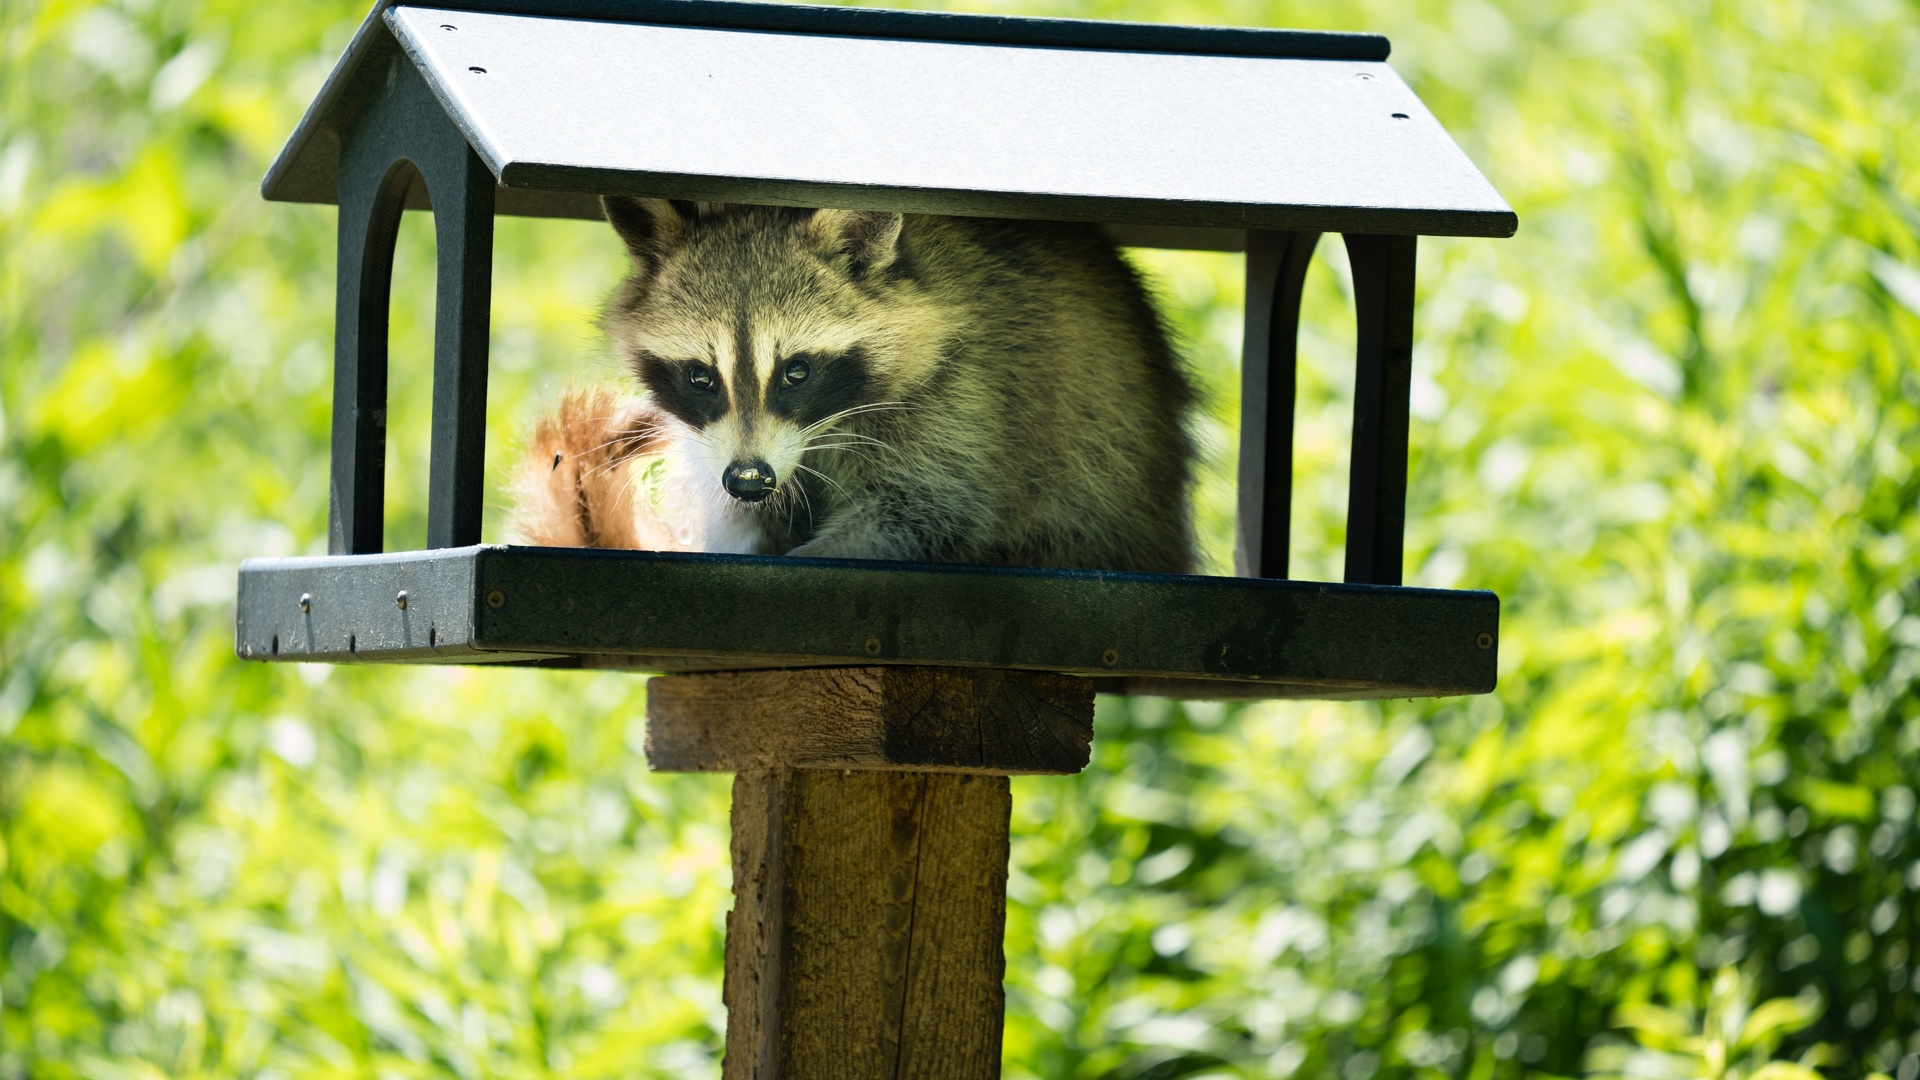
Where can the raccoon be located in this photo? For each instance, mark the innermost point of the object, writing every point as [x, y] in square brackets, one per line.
[873, 385]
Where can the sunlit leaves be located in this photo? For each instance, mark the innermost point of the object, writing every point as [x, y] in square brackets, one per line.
[1673, 423]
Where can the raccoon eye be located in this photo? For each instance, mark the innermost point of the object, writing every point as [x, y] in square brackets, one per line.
[700, 376]
[797, 372]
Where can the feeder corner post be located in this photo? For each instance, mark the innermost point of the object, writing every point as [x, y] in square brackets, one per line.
[401, 151]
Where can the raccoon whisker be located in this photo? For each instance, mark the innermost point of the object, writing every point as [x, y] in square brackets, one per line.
[846, 440]
[883, 406]
[614, 462]
[604, 467]
[851, 448]
[626, 489]
[851, 437]
[823, 476]
[795, 498]
[602, 445]
[799, 496]
[874, 406]
[608, 466]
[638, 428]
[631, 482]
[857, 454]
[856, 449]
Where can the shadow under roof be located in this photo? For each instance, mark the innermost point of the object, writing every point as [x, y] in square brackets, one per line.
[1119, 123]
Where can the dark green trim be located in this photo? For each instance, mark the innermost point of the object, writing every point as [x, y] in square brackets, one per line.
[700, 612]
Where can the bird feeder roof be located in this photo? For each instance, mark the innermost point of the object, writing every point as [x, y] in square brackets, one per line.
[1118, 123]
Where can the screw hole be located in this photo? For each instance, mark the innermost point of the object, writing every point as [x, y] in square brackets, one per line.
[1110, 657]
[478, 70]
[873, 646]
[353, 643]
[1400, 116]
[433, 638]
[496, 599]
[1485, 640]
[276, 644]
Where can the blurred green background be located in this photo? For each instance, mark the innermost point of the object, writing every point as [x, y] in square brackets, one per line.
[1672, 422]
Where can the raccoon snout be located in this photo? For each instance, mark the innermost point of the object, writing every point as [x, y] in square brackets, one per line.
[749, 481]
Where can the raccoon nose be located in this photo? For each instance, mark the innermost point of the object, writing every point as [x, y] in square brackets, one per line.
[749, 481]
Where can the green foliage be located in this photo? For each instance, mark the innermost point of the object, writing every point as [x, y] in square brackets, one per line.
[1733, 1040]
[1673, 423]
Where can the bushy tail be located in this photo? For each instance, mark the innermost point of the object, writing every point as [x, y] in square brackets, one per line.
[574, 486]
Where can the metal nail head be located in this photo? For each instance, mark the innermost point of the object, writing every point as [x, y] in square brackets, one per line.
[1110, 657]
[873, 646]
[306, 603]
[400, 599]
[496, 598]
[1485, 640]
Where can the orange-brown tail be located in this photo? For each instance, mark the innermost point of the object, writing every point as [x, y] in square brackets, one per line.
[573, 486]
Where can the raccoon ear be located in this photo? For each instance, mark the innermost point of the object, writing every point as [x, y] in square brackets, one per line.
[868, 239]
[650, 227]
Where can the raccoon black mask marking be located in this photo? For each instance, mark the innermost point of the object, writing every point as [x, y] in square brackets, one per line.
[871, 385]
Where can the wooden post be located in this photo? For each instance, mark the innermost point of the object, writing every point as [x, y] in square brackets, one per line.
[870, 811]
[865, 938]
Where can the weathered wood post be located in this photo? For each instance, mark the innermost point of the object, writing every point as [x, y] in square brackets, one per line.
[870, 814]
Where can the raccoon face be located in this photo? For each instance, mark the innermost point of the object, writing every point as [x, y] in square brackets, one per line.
[764, 332]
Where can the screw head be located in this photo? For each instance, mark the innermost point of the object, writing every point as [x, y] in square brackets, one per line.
[1485, 640]
[306, 602]
[873, 646]
[400, 599]
[496, 598]
[1110, 657]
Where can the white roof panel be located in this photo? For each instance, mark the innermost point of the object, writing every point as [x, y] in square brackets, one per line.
[1116, 135]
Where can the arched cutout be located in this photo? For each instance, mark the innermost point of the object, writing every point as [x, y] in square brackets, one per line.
[1383, 275]
[404, 146]
[412, 308]
[1276, 274]
[369, 230]
[1323, 424]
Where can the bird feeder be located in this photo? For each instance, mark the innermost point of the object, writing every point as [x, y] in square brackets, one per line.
[945, 677]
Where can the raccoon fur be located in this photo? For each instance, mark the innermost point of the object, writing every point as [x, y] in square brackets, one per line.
[873, 385]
